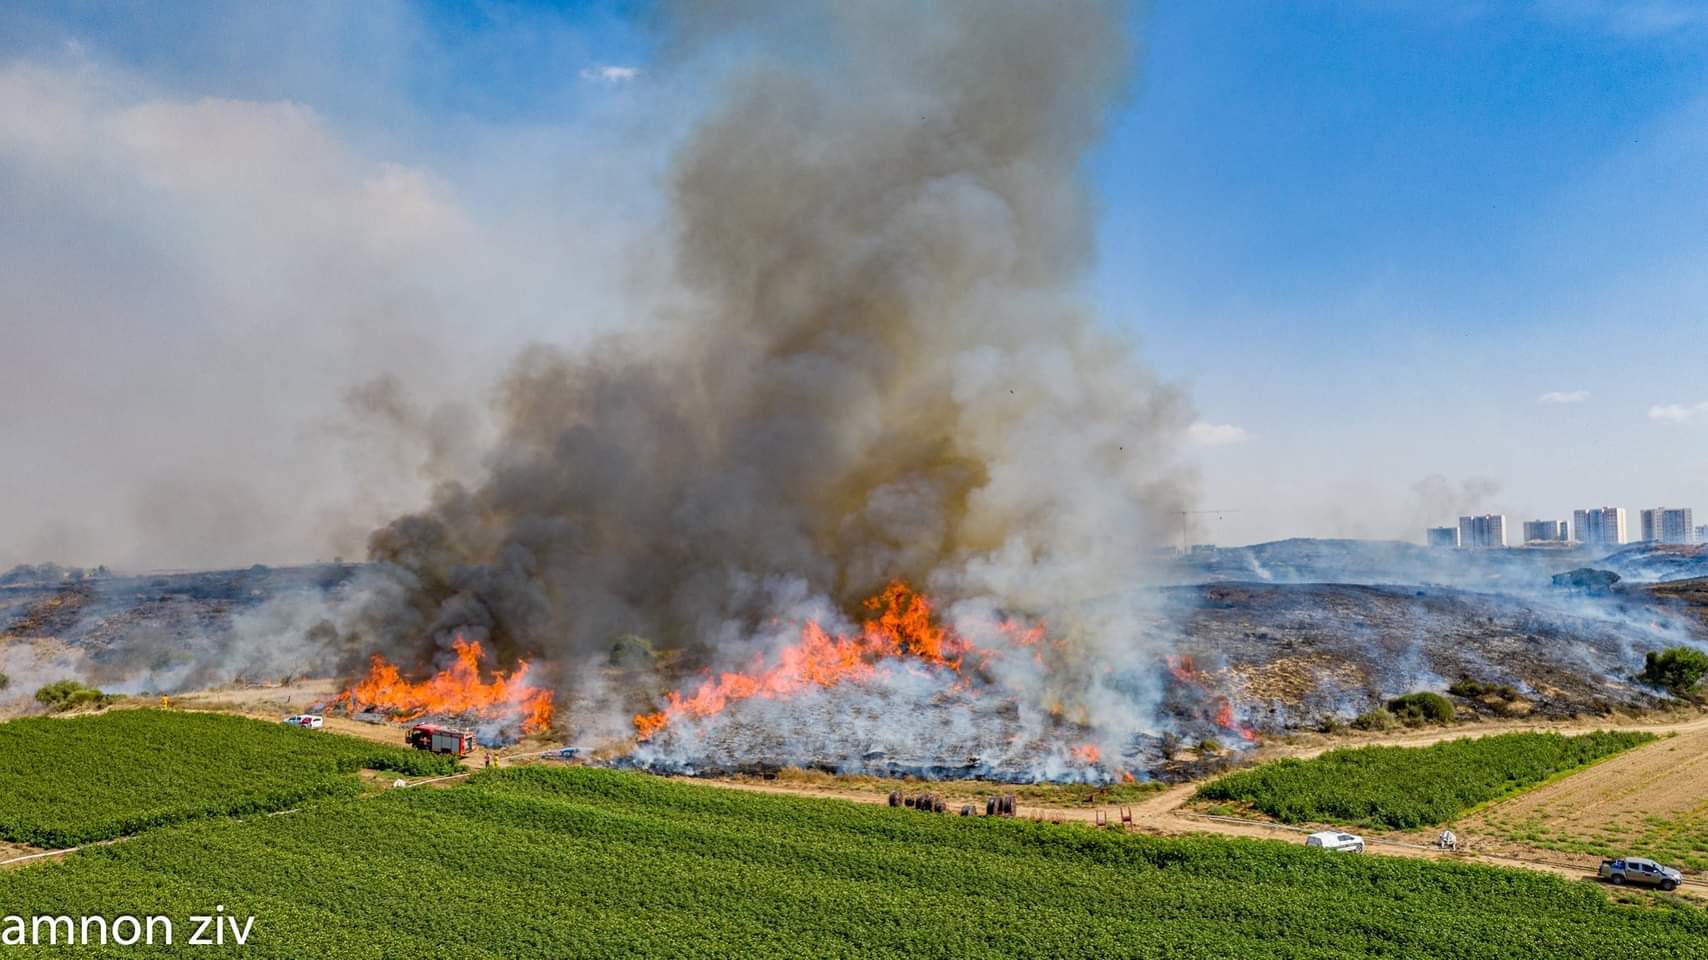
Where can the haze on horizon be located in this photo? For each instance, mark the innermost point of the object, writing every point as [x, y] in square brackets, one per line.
[264, 265]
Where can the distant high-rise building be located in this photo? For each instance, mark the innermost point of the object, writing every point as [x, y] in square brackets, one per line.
[1702, 533]
[1603, 526]
[1488, 530]
[1441, 536]
[1546, 531]
[1669, 525]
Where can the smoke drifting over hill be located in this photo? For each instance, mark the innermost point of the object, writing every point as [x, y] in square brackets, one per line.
[880, 371]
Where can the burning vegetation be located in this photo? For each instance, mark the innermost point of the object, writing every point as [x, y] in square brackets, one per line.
[507, 704]
[900, 629]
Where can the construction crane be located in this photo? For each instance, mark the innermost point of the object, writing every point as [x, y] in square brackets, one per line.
[1185, 516]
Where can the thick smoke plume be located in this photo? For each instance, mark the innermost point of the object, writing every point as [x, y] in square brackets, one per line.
[879, 371]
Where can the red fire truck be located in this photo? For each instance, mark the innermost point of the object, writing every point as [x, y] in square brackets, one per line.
[427, 736]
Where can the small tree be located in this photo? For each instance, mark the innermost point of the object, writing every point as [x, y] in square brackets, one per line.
[1679, 670]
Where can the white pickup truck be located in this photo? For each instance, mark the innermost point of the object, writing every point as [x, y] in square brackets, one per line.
[1638, 871]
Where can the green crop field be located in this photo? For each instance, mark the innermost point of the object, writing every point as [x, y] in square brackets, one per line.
[68, 781]
[590, 863]
[1410, 787]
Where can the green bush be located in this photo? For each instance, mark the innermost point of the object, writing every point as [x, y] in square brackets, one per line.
[1417, 709]
[1209, 746]
[70, 694]
[1410, 787]
[1679, 670]
[1376, 719]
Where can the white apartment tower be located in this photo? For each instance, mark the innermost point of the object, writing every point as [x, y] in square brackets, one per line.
[1603, 526]
[1488, 530]
[1669, 525]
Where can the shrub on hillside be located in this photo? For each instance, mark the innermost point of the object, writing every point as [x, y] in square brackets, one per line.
[1476, 690]
[1377, 719]
[1417, 709]
[70, 694]
[1679, 670]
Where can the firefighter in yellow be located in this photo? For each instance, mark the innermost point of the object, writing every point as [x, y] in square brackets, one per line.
[165, 702]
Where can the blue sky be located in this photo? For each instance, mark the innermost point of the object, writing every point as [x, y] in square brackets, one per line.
[1367, 238]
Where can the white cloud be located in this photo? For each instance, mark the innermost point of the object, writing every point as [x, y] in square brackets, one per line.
[1563, 396]
[1678, 412]
[610, 73]
[1203, 434]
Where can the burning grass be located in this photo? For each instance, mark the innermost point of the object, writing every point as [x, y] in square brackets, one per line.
[900, 627]
[510, 701]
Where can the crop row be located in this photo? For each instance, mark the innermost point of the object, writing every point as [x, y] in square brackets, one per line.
[587, 863]
[1409, 787]
[69, 781]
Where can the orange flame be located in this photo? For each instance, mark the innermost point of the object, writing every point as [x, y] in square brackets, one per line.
[457, 690]
[900, 627]
[1086, 753]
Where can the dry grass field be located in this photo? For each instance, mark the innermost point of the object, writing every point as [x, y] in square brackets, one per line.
[1651, 801]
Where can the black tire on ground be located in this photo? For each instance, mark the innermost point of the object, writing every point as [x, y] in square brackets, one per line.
[990, 806]
[895, 798]
[1669, 885]
[966, 809]
[1617, 879]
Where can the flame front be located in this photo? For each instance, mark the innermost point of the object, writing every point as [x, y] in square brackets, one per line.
[455, 691]
[900, 627]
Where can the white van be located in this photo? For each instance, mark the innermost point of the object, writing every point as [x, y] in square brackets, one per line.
[1334, 840]
[308, 720]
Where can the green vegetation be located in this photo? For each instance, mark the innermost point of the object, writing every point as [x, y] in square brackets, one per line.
[1678, 670]
[70, 781]
[1417, 709]
[592, 863]
[1409, 787]
[71, 694]
[1680, 841]
[1377, 719]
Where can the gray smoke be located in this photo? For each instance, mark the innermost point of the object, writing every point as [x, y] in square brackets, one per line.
[879, 369]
